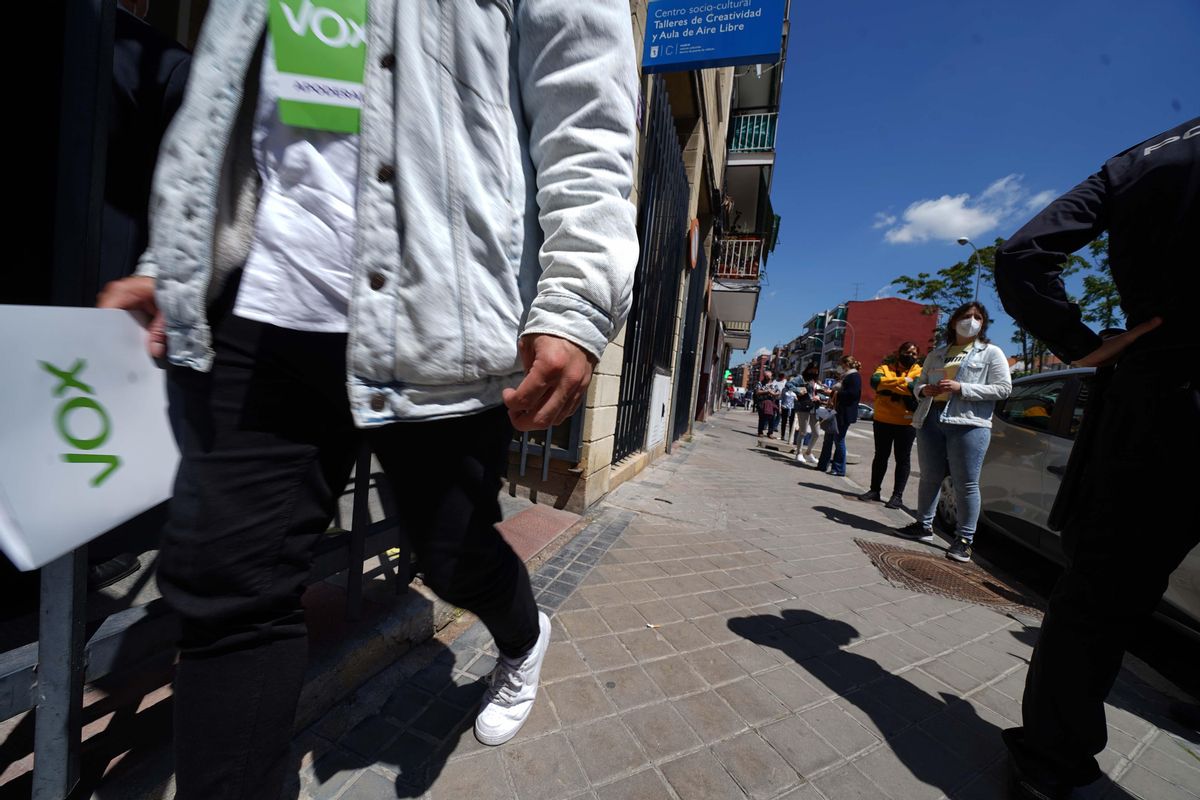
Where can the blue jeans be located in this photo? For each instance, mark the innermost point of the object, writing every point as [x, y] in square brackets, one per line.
[833, 451]
[960, 449]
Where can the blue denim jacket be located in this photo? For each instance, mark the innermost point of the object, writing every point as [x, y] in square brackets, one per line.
[984, 376]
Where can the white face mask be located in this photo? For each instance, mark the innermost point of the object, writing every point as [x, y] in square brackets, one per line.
[968, 327]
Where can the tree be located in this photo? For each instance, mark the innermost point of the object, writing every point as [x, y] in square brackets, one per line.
[951, 286]
[1100, 301]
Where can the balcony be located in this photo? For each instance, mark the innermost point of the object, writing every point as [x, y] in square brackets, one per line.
[752, 138]
[736, 272]
[739, 258]
[753, 133]
[737, 334]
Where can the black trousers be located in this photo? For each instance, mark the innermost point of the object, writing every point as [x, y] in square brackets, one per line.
[787, 416]
[898, 440]
[267, 445]
[1135, 526]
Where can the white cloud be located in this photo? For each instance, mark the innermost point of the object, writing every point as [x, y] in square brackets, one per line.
[885, 291]
[1039, 201]
[950, 216]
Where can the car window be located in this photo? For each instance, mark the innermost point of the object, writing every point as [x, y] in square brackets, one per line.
[1031, 405]
[1081, 399]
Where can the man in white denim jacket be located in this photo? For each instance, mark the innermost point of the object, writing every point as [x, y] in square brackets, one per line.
[452, 266]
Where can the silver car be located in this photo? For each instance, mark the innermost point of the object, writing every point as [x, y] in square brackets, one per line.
[1032, 434]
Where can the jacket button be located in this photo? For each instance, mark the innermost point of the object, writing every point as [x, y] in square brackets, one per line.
[386, 173]
[388, 61]
[376, 280]
[377, 402]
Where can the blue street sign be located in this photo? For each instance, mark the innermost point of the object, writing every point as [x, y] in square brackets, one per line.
[684, 35]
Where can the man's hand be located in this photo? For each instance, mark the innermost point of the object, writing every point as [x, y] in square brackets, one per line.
[557, 374]
[136, 294]
[929, 390]
[1107, 352]
[947, 385]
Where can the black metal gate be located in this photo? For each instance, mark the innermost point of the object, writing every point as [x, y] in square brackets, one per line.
[662, 232]
[686, 372]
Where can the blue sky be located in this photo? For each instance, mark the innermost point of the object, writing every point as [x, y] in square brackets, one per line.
[904, 123]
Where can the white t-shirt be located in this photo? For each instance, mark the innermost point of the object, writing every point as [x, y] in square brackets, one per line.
[297, 275]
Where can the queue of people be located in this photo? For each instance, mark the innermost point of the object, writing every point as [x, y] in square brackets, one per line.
[943, 404]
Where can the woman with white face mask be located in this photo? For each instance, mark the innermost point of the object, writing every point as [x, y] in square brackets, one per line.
[958, 386]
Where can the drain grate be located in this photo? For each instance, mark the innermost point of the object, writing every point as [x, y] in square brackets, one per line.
[932, 574]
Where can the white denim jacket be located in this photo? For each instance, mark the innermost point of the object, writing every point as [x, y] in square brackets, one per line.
[496, 163]
[984, 376]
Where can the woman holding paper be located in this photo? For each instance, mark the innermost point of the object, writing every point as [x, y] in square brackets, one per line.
[959, 386]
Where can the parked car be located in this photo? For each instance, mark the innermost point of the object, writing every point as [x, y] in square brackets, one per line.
[866, 412]
[1032, 434]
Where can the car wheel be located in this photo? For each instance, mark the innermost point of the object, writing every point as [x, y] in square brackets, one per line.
[947, 507]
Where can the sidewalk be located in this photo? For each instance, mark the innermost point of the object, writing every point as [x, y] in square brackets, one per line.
[719, 633]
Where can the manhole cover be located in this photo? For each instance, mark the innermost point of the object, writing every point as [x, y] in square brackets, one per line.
[931, 573]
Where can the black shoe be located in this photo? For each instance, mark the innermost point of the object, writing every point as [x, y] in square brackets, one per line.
[960, 550]
[869, 496]
[896, 501]
[916, 532]
[106, 573]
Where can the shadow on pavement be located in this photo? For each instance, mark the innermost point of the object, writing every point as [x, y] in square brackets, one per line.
[831, 489]
[858, 523]
[415, 731]
[896, 706]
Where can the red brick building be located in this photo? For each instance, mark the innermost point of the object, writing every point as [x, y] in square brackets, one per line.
[874, 329]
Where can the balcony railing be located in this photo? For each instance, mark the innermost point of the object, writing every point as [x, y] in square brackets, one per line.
[753, 133]
[740, 258]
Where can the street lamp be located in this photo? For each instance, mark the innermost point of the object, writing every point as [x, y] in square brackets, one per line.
[978, 261]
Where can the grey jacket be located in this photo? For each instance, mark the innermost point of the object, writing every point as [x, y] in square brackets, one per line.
[496, 154]
[984, 376]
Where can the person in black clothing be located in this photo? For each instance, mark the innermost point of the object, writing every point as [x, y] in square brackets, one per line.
[1130, 525]
[846, 395]
[150, 71]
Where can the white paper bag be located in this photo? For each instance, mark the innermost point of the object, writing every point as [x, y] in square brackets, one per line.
[85, 443]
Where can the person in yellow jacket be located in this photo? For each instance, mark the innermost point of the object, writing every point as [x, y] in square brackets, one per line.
[894, 407]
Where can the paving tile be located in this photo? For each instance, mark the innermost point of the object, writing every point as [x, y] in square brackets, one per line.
[370, 736]
[578, 700]
[333, 772]
[674, 676]
[684, 636]
[714, 666]
[690, 607]
[847, 783]
[606, 750]
[753, 657]
[658, 612]
[789, 688]
[751, 701]
[717, 629]
[370, 786]
[913, 766]
[699, 776]
[660, 730]
[629, 687]
[709, 716]
[604, 652]
[799, 744]
[623, 618]
[756, 767]
[644, 785]
[479, 777]
[562, 661]
[1144, 783]
[544, 769]
[646, 644]
[582, 624]
[838, 728]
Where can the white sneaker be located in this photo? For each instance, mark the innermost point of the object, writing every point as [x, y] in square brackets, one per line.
[514, 687]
